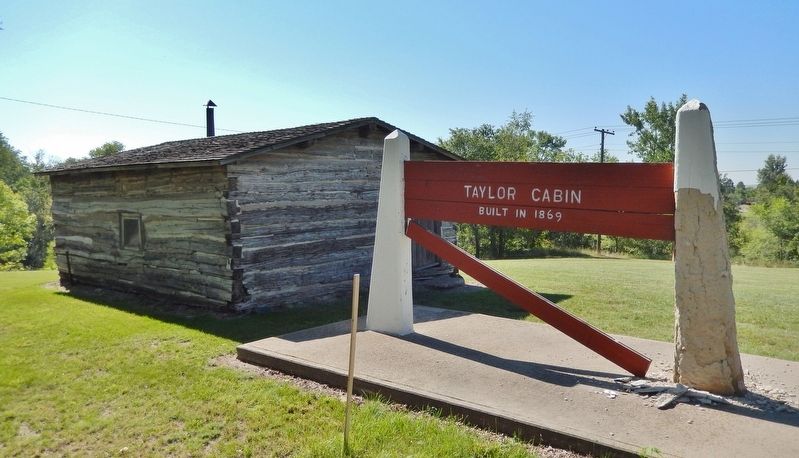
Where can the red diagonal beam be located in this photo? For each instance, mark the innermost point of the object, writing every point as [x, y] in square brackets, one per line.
[603, 344]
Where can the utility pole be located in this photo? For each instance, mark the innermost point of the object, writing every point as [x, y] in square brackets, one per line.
[601, 160]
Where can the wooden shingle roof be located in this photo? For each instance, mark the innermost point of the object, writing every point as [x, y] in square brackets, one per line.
[224, 149]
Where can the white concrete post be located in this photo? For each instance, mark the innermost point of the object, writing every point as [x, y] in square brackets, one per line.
[390, 294]
[706, 355]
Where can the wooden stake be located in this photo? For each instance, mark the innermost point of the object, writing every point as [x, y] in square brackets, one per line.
[356, 283]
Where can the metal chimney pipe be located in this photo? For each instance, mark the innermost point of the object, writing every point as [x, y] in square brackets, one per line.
[209, 118]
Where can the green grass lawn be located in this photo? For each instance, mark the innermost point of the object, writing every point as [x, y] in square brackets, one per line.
[85, 378]
[636, 297]
[82, 377]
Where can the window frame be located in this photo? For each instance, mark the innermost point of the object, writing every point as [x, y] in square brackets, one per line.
[123, 239]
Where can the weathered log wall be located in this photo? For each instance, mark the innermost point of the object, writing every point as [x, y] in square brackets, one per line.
[308, 218]
[283, 227]
[185, 225]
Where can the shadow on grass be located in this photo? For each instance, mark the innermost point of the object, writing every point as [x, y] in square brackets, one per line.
[545, 253]
[477, 299]
[243, 328]
[247, 328]
[239, 328]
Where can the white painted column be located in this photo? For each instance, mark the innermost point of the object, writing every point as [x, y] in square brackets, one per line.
[706, 354]
[390, 294]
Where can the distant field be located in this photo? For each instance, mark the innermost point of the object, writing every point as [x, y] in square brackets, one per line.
[636, 297]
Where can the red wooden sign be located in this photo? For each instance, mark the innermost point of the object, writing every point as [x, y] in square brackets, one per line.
[630, 200]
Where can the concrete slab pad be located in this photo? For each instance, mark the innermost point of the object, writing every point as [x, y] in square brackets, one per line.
[524, 378]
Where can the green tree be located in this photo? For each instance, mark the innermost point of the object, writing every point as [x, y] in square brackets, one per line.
[16, 228]
[742, 195]
[773, 171]
[759, 243]
[652, 140]
[69, 161]
[773, 178]
[107, 149]
[17, 173]
[655, 127]
[516, 140]
[12, 166]
[37, 194]
[771, 229]
[732, 212]
[781, 217]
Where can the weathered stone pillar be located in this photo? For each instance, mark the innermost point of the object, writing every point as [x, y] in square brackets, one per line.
[390, 294]
[706, 355]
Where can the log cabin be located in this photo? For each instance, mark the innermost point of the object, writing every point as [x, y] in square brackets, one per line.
[240, 222]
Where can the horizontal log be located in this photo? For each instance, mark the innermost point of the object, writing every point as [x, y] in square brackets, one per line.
[106, 265]
[307, 196]
[156, 279]
[305, 249]
[357, 256]
[153, 182]
[196, 207]
[255, 236]
[274, 282]
[298, 297]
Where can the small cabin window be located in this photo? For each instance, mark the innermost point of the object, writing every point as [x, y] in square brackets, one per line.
[131, 234]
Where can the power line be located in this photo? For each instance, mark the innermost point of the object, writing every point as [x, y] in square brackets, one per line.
[589, 130]
[790, 118]
[575, 133]
[571, 137]
[612, 146]
[569, 131]
[763, 151]
[758, 143]
[592, 145]
[753, 170]
[104, 113]
[586, 134]
[746, 126]
[753, 122]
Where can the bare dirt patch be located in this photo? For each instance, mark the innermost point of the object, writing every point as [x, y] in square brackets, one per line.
[25, 430]
[307, 385]
[56, 286]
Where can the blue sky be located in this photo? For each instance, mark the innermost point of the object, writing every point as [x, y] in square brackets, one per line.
[424, 66]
